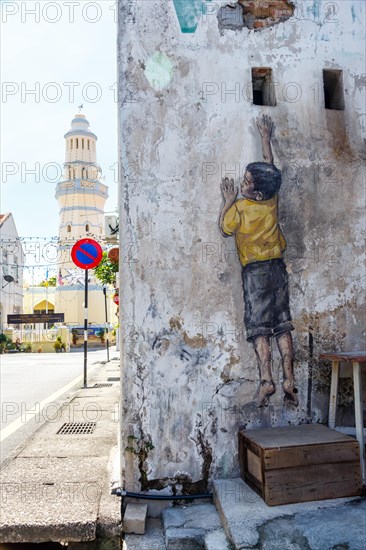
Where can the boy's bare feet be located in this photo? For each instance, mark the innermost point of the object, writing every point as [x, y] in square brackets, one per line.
[265, 390]
[290, 392]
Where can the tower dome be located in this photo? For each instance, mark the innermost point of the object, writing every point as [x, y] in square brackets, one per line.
[80, 126]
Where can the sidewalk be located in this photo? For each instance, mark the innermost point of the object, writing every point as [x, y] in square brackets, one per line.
[57, 487]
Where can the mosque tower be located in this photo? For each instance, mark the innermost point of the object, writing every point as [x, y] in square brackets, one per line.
[81, 197]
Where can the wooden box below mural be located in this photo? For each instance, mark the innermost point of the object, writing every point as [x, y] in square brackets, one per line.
[300, 463]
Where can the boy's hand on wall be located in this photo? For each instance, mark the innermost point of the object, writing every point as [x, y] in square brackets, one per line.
[265, 126]
[228, 190]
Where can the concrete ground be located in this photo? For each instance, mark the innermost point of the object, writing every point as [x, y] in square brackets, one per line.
[57, 487]
[242, 520]
[33, 386]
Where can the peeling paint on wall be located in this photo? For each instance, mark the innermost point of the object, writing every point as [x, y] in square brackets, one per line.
[190, 376]
[254, 14]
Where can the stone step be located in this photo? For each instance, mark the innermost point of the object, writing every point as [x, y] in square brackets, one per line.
[153, 539]
[194, 527]
[217, 540]
[180, 538]
[250, 523]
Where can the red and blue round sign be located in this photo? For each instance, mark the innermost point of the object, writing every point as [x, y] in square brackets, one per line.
[86, 253]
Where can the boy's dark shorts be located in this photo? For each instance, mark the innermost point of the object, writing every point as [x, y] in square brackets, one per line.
[266, 299]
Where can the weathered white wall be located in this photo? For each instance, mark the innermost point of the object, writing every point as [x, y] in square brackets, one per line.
[189, 374]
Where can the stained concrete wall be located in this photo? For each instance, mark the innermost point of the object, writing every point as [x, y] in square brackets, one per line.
[186, 120]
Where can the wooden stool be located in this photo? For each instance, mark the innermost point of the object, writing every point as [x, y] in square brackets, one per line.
[354, 358]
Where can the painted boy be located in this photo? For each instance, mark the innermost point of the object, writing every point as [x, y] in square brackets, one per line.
[260, 243]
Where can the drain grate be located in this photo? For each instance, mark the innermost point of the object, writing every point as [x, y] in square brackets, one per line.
[77, 428]
[102, 385]
[114, 379]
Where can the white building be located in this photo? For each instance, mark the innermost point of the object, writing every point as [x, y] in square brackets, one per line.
[12, 262]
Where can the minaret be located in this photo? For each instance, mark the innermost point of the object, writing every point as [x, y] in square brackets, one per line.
[81, 197]
[80, 193]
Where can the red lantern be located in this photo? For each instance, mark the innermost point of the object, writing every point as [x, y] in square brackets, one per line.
[113, 255]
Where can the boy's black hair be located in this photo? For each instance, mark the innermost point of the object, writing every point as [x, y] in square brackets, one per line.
[266, 177]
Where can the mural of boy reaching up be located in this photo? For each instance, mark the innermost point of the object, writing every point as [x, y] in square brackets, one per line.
[253, 220]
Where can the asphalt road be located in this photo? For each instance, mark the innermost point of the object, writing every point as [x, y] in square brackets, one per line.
[32, 385]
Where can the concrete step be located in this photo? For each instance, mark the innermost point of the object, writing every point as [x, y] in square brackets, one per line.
[250, 523]
[194, 527]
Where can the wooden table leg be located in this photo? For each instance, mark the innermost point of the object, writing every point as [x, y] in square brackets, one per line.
[333, 395]
[357, 384]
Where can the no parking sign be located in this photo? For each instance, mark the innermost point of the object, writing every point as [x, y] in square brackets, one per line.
[86, 253]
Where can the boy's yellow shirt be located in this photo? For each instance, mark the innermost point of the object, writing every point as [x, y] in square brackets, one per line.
[258, 235]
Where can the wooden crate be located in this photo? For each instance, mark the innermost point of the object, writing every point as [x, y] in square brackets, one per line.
[300, 463]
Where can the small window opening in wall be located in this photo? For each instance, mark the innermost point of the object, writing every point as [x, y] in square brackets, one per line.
[88, 144]
[333, 89]
[263, 89]
[72, 143]
[69, 228]
[82, 143]
[87, 228]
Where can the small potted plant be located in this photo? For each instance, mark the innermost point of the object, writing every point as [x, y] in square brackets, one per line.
[26, 347]
[59, 345]
[3, 342]
[101, 335]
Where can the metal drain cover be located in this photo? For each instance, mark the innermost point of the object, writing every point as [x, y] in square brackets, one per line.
[77, 428]
[114, 378]
[102, 385]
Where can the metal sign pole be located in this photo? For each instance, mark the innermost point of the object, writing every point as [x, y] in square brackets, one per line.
[106, 320]
[86, 329]
[86, 254]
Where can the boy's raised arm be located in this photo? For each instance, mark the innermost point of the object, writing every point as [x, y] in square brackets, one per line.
[229, 192]
[265, 127]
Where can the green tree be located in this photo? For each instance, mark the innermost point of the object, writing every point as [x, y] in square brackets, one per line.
[51, 281]
[106, 271]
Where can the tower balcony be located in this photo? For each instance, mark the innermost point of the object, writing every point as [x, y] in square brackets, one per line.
[79, 186]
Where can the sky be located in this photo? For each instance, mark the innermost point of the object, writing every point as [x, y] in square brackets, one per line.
[55, 56]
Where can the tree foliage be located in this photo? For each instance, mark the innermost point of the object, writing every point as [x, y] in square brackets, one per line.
[106, 271]
[51, 281]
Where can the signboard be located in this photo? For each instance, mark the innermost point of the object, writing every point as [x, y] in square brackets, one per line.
[30, 318]
[86, 253]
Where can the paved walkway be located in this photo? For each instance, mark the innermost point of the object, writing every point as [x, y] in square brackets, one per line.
[57, 488]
